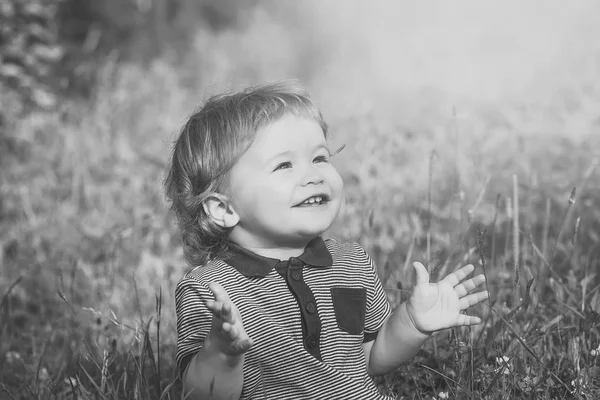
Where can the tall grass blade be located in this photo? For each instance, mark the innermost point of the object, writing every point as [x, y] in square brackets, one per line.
[496, 208]
[150, 352]
[495, 378]
[546, 228]
[446, 377]
[456, 172]
[429, 185]
[571, 201]
[9, 290]
[575, 231]
[480, 236]
[166, 391]
[92, 382]
[104, 372]
[479, 199]
[158, 318]
[535, 356]
[5, 390]
[496, 329]
[509, 215]
[516, 236]
[409, 254]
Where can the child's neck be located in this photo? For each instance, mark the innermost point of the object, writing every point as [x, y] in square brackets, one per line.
[279, 252]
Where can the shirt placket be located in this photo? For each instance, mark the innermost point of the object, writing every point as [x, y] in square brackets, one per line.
[293, 272]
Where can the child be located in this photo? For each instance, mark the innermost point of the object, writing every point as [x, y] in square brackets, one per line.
[272, 310]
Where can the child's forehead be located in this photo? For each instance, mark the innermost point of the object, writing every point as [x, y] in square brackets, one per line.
[300, 128]
[305, 135]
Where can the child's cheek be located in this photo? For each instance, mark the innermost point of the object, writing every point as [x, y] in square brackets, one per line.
[339, 182]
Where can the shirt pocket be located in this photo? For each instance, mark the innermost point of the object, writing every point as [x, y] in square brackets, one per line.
[350, 306]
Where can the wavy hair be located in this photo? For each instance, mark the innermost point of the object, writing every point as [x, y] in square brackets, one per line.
[210, 143]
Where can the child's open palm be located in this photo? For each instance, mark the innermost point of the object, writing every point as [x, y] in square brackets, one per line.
[227, 332]
[436, 306]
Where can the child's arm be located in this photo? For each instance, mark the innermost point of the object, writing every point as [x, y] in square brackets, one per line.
[216, 371]
[431, 307]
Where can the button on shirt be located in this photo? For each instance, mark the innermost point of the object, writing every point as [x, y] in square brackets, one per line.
[308, 317]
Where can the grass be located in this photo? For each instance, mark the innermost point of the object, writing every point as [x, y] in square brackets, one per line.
[90, 257]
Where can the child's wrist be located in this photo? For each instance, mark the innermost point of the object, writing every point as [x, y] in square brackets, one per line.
[214, 350]
[410, 322]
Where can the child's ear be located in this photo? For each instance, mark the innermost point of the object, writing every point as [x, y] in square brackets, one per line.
[219, 209]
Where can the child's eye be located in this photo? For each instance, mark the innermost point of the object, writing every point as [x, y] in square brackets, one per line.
[283, 165]
[321, 159]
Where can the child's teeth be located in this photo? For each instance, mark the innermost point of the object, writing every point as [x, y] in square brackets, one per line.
[312, 200]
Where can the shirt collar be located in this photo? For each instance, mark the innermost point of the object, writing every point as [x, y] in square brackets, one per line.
[253, 265]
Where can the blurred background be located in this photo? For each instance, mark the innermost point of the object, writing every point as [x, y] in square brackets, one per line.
[462, 121]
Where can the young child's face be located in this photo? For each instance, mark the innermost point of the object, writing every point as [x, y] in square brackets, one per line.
[283, 188]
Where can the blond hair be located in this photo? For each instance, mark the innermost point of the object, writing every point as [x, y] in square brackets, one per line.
[210, 143]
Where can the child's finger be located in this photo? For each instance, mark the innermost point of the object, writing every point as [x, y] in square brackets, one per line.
[467, 286]
[230, 330]
[464, 320]
[243, 345]
[421, 272]
[454, 278]
[220, 293]
[234, 335]
[473, 299]
[227, 313]
[214, 307]
[222, 311]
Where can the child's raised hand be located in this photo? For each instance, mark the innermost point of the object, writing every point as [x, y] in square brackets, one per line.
[436, 306]
[227, 331]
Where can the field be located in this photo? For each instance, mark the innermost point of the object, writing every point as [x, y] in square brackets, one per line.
[449, 159]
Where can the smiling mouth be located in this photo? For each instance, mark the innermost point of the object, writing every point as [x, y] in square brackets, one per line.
[314, 201]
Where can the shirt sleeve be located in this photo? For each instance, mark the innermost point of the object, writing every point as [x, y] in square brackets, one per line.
[193, 319]
[378, 308]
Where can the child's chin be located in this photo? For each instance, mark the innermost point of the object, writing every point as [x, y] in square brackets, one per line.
[313, 231]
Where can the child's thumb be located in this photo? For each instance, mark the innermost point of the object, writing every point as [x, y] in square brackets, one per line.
[422, 274]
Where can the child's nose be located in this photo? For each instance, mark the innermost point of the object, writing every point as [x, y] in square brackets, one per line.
[312, 177]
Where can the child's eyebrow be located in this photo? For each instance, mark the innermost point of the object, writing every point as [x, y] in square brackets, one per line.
[283, 154]
[323, 146]
[288, 153]
[279, 155]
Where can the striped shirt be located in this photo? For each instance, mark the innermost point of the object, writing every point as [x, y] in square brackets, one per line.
[308, 317]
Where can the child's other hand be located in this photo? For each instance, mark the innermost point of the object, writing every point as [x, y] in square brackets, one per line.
[227, 331]
[436, 306]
